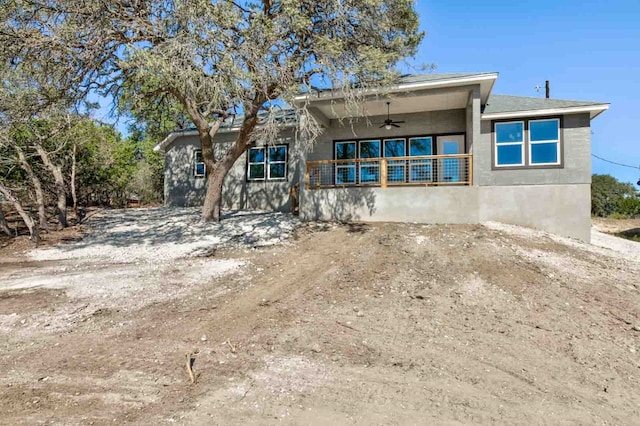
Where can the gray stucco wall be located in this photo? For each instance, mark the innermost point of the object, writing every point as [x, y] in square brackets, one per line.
[182, 188]
[576, 137]
[559, 209]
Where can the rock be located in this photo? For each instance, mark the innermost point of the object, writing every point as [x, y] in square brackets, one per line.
[360, 314]
[316, 348]
[203, 338]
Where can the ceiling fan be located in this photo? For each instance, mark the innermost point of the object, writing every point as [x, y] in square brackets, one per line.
[388, 123]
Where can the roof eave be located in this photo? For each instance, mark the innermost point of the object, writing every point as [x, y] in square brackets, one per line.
[405, 87]
[594, 111]
[166, 142]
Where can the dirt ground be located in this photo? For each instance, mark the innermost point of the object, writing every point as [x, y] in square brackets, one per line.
[334, 324]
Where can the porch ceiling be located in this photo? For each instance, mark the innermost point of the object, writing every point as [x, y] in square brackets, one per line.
[400, 104]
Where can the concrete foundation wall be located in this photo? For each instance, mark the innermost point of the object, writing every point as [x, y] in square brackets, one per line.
[394, 204]
[182, 188]
[559, 209]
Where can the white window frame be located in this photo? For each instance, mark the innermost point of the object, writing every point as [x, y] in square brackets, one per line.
[196, 162]
[269, 162]
[374, 163]
[390, 159]
[345, 165]
[255, 163]
[420, 162]
[496, 144]
[556, 141]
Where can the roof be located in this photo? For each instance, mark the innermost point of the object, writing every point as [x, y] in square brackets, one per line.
[498, 106]
[405, 85]
[285, 117]
[418, 78]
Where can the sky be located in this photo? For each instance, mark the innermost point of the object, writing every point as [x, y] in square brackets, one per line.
[589, 50]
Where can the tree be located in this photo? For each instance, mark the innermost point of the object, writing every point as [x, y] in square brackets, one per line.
[609, 196]
[216, 58]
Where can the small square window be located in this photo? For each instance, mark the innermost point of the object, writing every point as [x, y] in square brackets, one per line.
[199, 168]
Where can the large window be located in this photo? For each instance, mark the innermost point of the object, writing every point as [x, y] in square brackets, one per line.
[510, 144]
[369, 170]
[199, 169]
[345, 170]
[544, 141]
[396, 169]
[267, 163]
[527, 143]
[420, 170]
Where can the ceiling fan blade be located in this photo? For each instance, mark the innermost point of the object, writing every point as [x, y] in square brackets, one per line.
[394, 124]
[381, 126]
[399, 122]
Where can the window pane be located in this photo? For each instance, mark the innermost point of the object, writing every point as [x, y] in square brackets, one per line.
[420, 146]
[370, 149]
[256, 155]
[450, 148]
[345, 174]
[278, 153]
[200, 169]
[509, 132]
[277, 171]
[256, 171]
[369, 172]
[396, 172]
[420, 170]
[509, 154]
[394, 148]
[345, 150]
[198, 156]
[544, 153]
[544, 130]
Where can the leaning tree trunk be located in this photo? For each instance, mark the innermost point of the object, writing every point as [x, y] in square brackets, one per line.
[61, 191]
[3, 223]
[26, 217]
[37, 188]
[217, 170]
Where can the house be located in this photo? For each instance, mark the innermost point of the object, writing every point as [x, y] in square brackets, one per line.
[435, 148]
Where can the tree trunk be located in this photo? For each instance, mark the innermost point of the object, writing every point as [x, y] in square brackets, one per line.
[3, 223]
[217, 170]
[26, 217]
[61, 191]
[213, 200]
[73, 184]
[37, 187]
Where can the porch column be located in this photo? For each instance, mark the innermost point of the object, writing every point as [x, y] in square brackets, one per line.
[473, 119]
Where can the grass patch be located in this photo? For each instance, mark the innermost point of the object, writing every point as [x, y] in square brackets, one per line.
[630, 234]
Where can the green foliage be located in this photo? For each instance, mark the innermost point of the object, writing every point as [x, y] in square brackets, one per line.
[611, 197]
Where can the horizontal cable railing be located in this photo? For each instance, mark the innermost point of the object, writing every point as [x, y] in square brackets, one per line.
[393, 171]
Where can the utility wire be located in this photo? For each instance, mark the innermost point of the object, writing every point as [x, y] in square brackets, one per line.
[617, 164]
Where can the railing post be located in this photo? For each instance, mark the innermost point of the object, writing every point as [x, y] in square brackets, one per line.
[470, 169]
[383, 173]
[307, 178]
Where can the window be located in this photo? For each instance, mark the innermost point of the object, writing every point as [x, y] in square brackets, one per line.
[396, 169]
[199, 168]
[420, 170]
[510, 144]
[345, 170]
[267, 163]
[544, 142]
[369, 170]
[527, 143]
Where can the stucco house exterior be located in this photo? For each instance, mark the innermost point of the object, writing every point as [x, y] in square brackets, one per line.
[453, 153]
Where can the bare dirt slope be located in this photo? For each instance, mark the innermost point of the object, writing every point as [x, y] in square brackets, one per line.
[358, 324]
